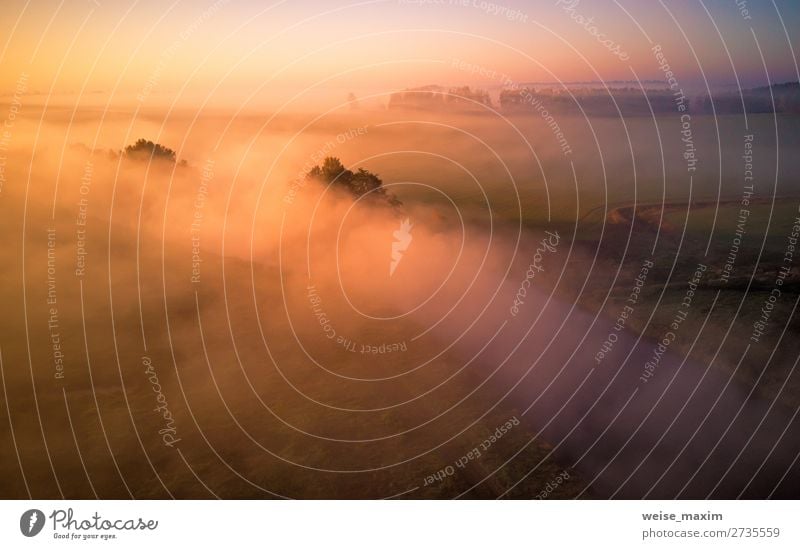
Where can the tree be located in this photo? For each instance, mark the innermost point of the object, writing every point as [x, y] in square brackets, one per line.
[361, 183]
[144, 150]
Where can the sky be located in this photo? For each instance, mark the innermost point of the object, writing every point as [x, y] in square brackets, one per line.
[231, 51]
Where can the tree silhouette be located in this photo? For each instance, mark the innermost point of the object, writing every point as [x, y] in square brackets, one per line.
[144, 150]
[361, 183]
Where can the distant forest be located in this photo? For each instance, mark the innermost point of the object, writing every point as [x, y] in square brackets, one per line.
[779, 98]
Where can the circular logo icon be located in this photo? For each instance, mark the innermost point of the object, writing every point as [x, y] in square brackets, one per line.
[31, 522]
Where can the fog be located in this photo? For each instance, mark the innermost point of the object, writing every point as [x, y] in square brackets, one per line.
[293, 358]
